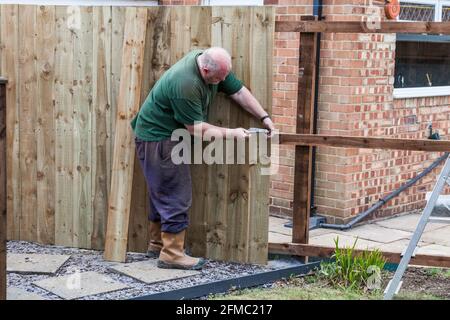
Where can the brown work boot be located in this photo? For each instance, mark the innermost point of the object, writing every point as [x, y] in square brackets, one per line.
[172, 255]
[155, 243]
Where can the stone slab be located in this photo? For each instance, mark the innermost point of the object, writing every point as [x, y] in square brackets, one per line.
[344, 241]
[13, 293]
[408, 223]
[80, 285]
[373, 232]
[440, 236]
[435, 250]
[277, 225]
[35, 263]
[398, 246]
[275, 237]
[148, 272]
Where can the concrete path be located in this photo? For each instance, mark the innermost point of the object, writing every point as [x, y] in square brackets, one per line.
[388, 235]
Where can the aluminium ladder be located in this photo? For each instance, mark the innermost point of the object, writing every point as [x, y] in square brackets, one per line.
[394, 285]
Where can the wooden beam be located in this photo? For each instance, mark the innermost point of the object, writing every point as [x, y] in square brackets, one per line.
[365, 142]
[299, 249]
[124, 151]
[303, 154]
[2, 189]
[363, 27]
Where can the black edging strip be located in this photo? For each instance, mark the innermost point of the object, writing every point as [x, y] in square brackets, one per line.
[222, 286]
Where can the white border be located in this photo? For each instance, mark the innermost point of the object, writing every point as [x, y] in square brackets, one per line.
[419, 92]
[88, 3]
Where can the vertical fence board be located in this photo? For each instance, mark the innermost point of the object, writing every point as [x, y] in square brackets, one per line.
[9, 28]
[45, 57]
[27, 121]
[260, 55]
[156, 62]
[124, 153]
[82, 114]
[64, 109]
[101, 122]
[199, 19]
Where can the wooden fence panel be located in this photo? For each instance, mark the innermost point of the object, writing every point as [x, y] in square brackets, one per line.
[63, 68]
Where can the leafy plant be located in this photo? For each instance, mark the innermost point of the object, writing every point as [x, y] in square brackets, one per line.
[354, 271]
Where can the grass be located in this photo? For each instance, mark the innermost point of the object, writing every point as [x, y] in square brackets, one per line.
[435, 272]
[312, 288]
[349, 276]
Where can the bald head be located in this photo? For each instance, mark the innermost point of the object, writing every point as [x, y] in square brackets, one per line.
[215, 64]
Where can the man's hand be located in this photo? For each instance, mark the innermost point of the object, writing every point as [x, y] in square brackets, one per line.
[268, 124]
[239, 133]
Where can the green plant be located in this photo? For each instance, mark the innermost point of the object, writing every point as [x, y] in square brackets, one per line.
[354, 271]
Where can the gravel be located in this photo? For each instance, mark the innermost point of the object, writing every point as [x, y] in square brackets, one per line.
[90, 260]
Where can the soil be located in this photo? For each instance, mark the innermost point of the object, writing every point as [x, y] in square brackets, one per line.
[423, 280]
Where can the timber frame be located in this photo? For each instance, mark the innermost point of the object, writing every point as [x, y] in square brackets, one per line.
[304, 139]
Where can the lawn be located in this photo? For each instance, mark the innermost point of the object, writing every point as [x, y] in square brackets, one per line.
[419, 284]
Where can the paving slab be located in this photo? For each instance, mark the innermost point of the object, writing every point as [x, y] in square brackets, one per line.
[80, 285]
[35, 263]
[440, 236]
[408, 223]
[398, 246]
[275, 237]
[435, 250]
[13, 293]
[344, 241]
[277, 225]
[148, 272]
[377, 233]
[321, 231]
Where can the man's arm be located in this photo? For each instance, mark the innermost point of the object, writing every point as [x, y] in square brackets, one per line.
[200, 128]
[249, 103]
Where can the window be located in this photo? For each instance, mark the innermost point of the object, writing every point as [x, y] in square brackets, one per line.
[232, 2]
[422, 63]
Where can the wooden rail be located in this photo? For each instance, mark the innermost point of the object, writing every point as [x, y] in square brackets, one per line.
[309, 250]
[2, 189]
[363, 27]
[365, 142]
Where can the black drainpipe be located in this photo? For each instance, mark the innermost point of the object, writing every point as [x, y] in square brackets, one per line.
[382, 201]
[317, 11]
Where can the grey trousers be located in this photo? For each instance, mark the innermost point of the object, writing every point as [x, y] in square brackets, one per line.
[169, 185]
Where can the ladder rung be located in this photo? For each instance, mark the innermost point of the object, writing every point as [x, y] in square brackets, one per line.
[413, 254]
[440, 219]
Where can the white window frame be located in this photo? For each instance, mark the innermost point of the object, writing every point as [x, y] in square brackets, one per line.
[85, 3]
[419, 92]
[444, 4]
[232, 2]
[437, 4]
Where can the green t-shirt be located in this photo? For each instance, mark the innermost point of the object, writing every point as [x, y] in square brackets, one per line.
[179, 97]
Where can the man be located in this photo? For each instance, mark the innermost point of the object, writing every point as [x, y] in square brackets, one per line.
[180, 99]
